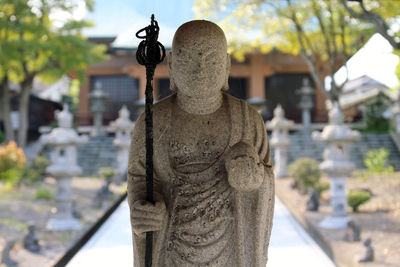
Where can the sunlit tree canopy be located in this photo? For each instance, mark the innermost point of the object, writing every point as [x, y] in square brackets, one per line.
[321, 30]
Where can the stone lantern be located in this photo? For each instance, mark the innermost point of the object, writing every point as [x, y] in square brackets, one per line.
[396, 113]
[280, 140]
[306, 103]
[336, 164]
[123, 127]
[97, 107]
[63, 167]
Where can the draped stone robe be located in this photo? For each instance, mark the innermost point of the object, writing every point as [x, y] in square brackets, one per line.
[208, 223]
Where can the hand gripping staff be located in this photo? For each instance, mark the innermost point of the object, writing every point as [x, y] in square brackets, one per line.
[150, 52]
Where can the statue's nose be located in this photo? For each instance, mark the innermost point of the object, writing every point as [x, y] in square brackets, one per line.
[202, 62]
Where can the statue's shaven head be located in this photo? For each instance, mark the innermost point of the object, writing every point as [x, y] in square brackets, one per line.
[199, 63]
[199, 33]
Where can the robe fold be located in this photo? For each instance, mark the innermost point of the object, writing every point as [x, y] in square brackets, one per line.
[245, 218]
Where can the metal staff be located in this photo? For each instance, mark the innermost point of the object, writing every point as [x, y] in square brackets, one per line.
[150, 52]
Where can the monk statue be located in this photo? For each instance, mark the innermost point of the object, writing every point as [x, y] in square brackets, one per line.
[213, 179]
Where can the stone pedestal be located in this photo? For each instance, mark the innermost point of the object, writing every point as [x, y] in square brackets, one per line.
[306, 103]
[123, 127]
[337, 165]
[280, 141]
[97, 107]
[63, 167]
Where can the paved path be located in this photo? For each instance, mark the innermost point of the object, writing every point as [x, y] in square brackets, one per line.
[290, 244]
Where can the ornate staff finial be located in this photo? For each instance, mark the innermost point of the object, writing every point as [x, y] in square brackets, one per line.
[150, 52]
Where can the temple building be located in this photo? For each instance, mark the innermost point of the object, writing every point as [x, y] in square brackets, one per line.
[274, 77]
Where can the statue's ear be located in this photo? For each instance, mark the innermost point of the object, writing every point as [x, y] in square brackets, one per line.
[228, 68]
[172, 85]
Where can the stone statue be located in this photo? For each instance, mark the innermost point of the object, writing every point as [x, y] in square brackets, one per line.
[368, 254]
[213, 179]
[313, 201]
[5, 254]
[102, 194]
[31, 242]
[353, 232]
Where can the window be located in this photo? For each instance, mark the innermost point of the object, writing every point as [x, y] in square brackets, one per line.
[121, 90]
[281, 89]
[238, 87]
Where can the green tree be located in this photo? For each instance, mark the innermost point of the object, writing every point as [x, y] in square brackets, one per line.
[381, 14]
[32, 46]
[322, 31]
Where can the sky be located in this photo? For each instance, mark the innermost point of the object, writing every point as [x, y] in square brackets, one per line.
[123, 18]
[374, 59]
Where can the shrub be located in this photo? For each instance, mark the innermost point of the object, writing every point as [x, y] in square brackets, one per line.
[11, 156]
[2, 137]
[106, 173]
[376, 122]
[355, 198]
[12, 162]
[42, 193]
[36, 169]
[322, 186]
[376, 161]
[306, 171]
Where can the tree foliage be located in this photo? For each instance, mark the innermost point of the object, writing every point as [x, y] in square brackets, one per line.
[383, 15]
[35, 43]
[320, 30]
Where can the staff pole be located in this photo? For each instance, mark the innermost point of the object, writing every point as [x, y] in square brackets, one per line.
[150, 52]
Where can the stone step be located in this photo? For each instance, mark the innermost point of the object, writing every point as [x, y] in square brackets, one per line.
[97, 153]
[100, 152]
[302, 145]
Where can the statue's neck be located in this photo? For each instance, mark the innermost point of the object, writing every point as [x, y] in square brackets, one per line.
[199, 106]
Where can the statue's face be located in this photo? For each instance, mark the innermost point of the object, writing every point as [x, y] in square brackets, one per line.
[198, 63]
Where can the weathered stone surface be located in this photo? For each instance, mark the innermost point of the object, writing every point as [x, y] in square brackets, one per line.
[368, 254]
[302, 145]
[31, 242]
[337, 165]
[123, 127]
[306, 104]
[214, 185]
[5, 254]
[63, 167]
[353, 233]
[97, 107]
[280, 140]
[313, 201]
[97, 153]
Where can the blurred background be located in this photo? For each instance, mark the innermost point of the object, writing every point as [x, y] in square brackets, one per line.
[323, 74]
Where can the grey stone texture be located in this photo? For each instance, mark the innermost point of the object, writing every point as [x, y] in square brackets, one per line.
[368, 254]
[5, 254]
[63, 141]
[31, 242]
[214, 184]
[353, 231]
[302, 145]
[97, 153]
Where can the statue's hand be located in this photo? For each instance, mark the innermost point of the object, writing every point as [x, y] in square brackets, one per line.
[147, 217]
[244, 172]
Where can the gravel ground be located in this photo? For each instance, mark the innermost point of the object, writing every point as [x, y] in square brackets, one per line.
[19, 208]
[379, 219]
